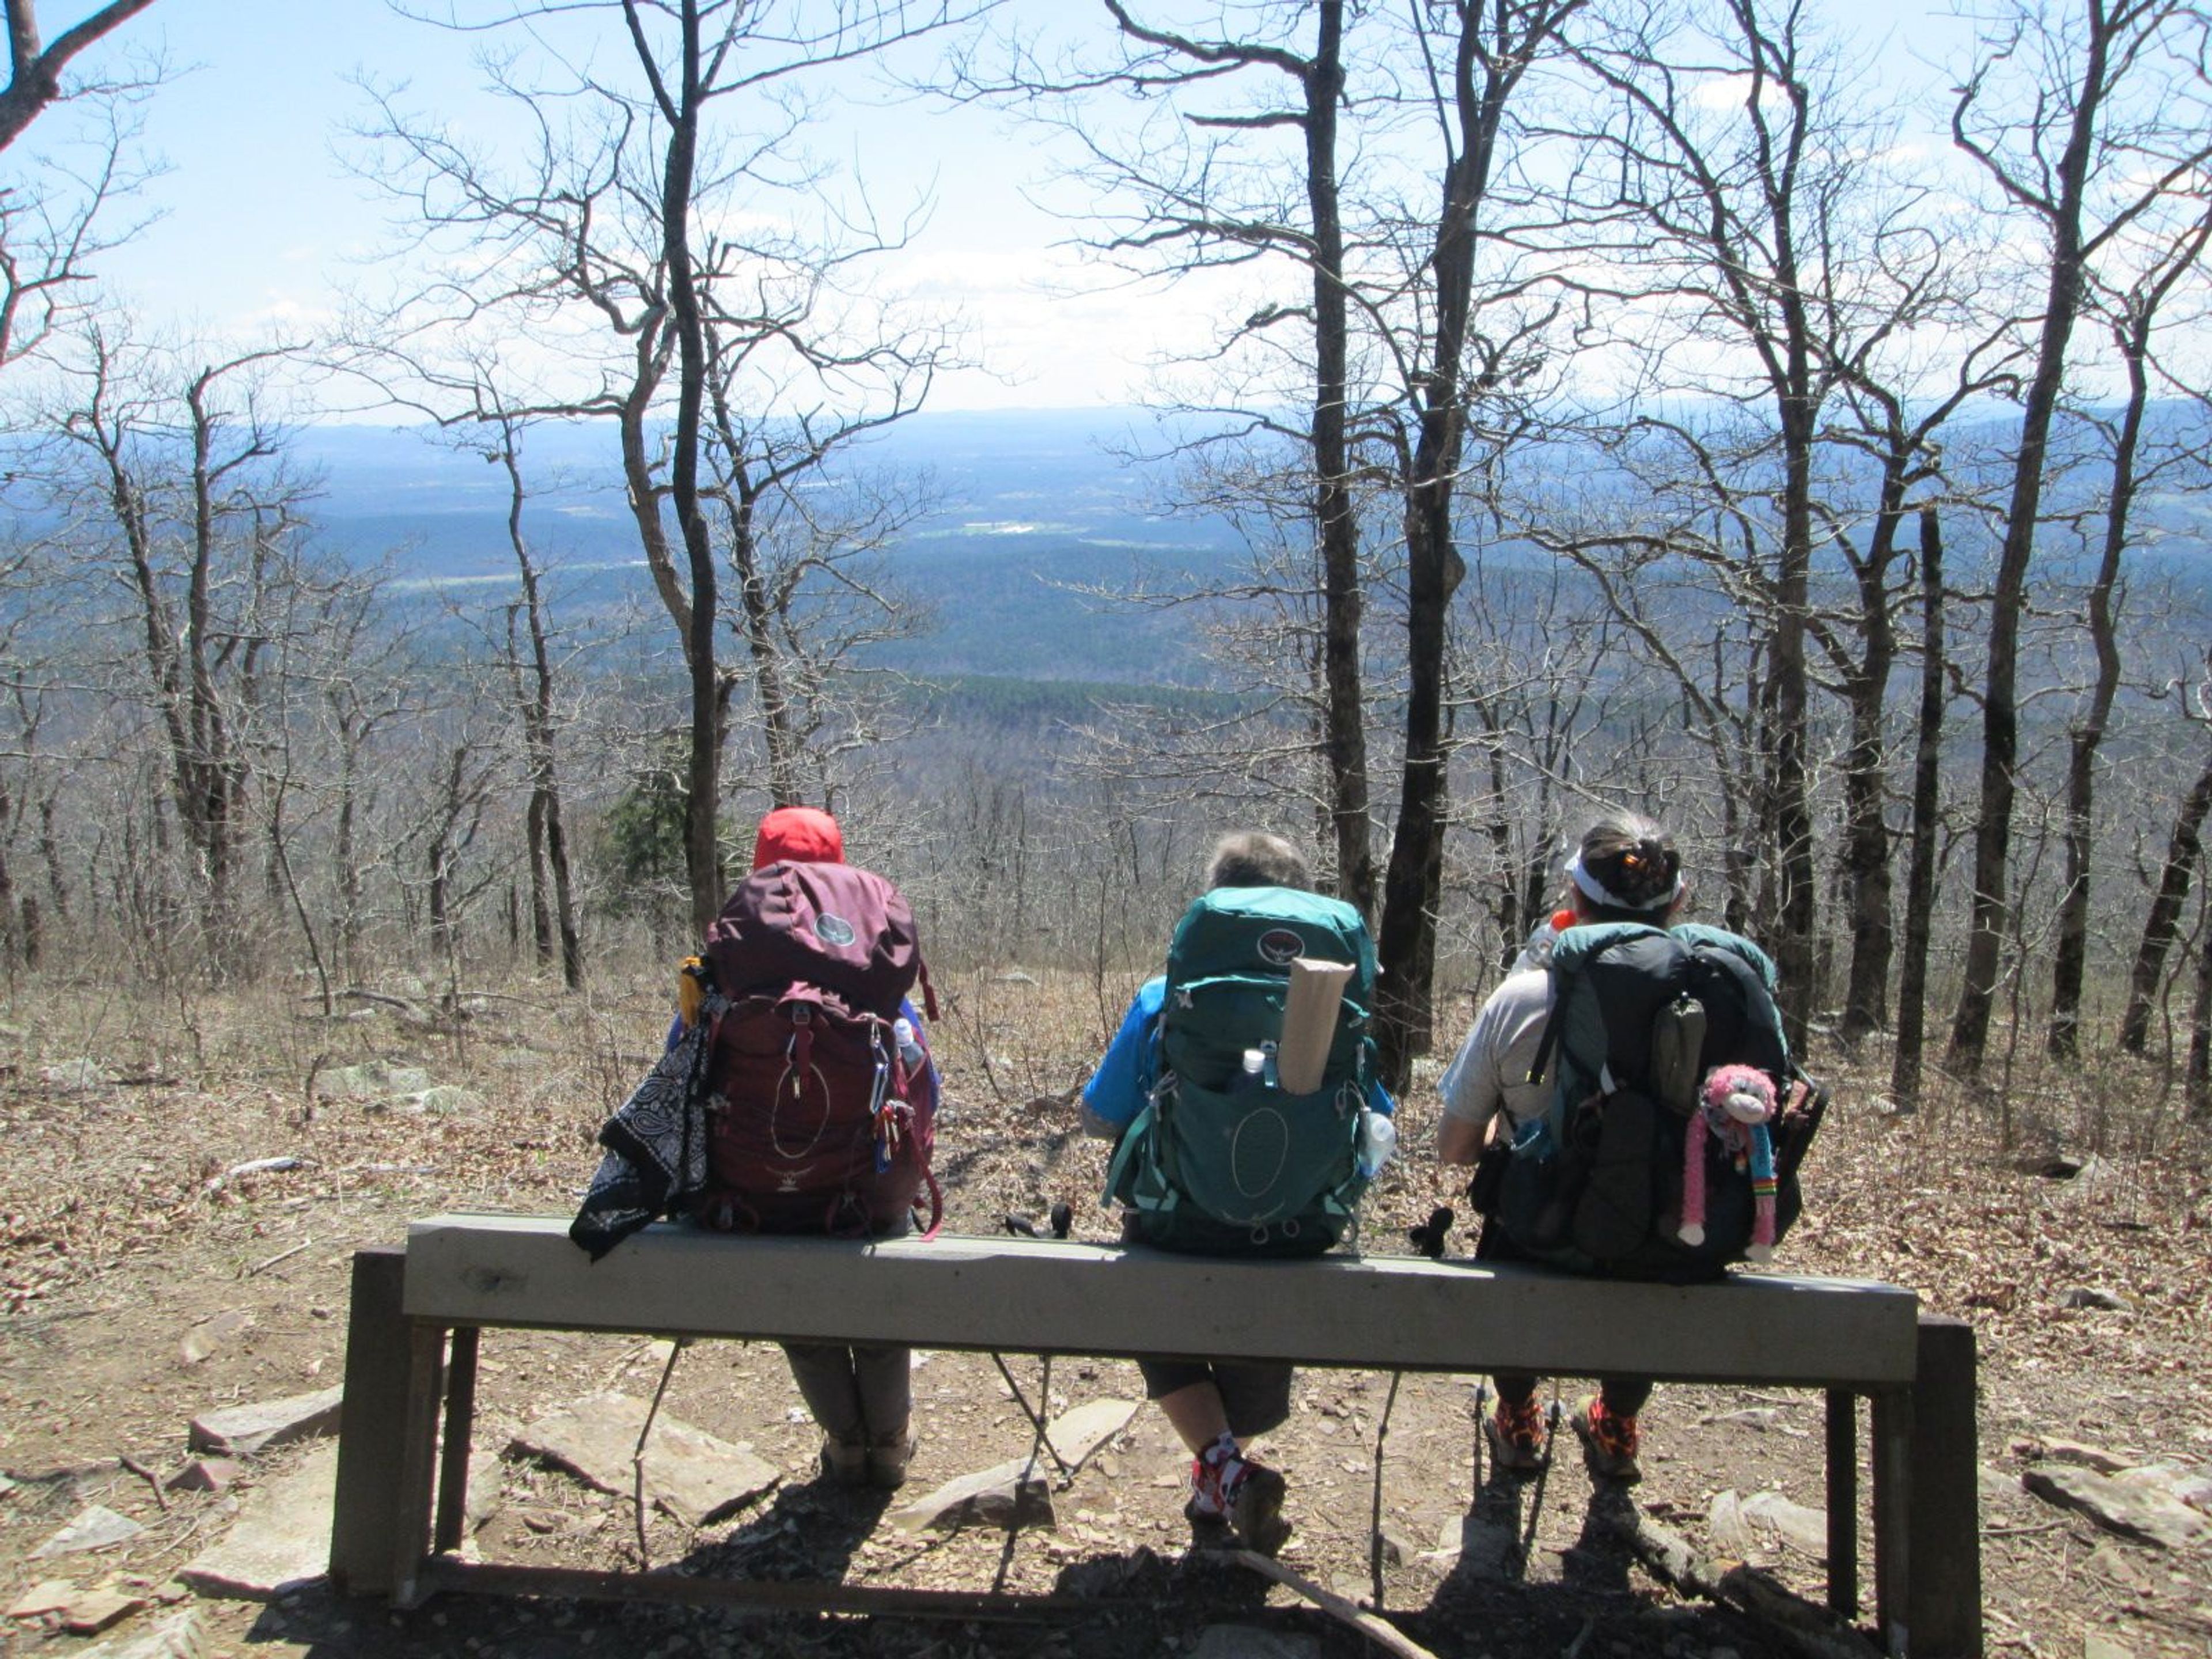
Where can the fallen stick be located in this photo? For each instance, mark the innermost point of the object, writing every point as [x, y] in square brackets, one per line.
[280, 1255]
[147, 1476]
[1812, 1630]
[1381, 1631]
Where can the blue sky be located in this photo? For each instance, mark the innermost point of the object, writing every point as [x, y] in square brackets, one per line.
[262, 225]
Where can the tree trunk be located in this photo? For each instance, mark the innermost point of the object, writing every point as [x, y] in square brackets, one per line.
[756, 613]
[681, 107]
[1927, 789]
[1866, 860]
[1335, 517]
[534, 703]
[2184, 847]
[2198, 1089]
[1792, 806]
[1405, 953]
[1970, 1024]
[541, 896]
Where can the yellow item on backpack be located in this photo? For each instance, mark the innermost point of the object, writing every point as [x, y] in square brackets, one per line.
[691, 990]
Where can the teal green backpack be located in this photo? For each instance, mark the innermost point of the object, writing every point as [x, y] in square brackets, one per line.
[1218, 1161]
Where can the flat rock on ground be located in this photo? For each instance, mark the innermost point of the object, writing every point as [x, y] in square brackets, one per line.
[94, 1528]
[211, 1334]
[89, 1612]
[242, 1430]
[687, 1471]
[2147, 1513]
[281, 1539]
[181, 1634]
[1074, 1435]
[1010, 1495]
[1802, 1527]
[374, 1080]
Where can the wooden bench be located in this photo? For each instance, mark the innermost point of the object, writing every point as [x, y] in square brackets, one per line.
[416, 1313]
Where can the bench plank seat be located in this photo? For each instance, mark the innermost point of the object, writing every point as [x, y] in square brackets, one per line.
[1044, 1296]
[417, 1314]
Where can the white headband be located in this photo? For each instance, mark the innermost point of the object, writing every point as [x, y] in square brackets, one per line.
[1598, 893]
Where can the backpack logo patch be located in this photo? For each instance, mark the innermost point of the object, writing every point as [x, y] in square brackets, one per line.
[1279, 947]
[833, 930]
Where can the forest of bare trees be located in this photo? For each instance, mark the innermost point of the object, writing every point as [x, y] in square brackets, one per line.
[1614, 403]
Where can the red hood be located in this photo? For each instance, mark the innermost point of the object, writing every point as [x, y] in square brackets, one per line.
[798, 835]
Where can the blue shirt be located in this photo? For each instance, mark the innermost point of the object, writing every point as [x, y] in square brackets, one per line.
[1122, 1084]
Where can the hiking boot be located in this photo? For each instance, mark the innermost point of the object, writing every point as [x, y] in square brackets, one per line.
[887, 1461]
[1229, 1494]
[1610, 1442]
[1255, 1508]
[845, 1461]
[1515, 1434]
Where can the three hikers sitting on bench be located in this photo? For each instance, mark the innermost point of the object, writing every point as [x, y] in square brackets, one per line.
[1626, 1095]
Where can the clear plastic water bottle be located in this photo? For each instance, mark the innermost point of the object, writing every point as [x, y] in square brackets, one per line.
[910, 1049]
[1378, 1139]
[1252, 1077]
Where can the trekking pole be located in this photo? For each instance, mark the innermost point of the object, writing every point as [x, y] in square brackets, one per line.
[1036, 1419]
[1543, 1475]
[1375, 1514]
[1481, 1415]
[637, 1456]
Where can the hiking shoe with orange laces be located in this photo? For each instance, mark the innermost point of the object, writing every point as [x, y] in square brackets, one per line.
[1610, 1442]
[1515, 1434]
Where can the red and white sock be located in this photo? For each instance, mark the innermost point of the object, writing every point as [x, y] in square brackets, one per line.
[1215, 1475]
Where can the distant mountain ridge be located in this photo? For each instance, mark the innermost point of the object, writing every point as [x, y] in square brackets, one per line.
[1030, 504]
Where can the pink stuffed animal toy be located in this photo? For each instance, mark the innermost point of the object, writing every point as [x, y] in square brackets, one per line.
[1736, 1103]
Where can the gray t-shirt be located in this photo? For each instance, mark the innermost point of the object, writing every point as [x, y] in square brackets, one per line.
[1490, 1070]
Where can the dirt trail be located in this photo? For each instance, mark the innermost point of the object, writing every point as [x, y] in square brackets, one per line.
[120, 1235]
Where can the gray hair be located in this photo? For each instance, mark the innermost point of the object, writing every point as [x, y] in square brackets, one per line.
[1253, 858]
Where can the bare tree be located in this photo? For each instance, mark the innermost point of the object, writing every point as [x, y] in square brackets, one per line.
[2135, 317]
[532, 689]
[622, 218]
[1730, 189]
[1927, 784]
[1202, 201]
[2088, 123]
[1463, 366]
[185, 477]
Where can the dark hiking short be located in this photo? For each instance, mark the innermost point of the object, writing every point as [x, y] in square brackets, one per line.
[1257, 1395]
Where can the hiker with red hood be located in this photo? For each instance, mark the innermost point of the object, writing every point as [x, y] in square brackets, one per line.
[796, 1096]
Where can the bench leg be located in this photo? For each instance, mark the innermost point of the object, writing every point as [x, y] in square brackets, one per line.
[373, 1426]
[460, 1424]
[1893, 1516]
[411, 1536]
[1842, 1442]
[1945, 1599]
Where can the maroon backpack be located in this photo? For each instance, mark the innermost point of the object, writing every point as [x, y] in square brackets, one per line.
[819, 1118]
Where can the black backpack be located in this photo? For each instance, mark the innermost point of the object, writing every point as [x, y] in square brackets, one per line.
[1640, 1016]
